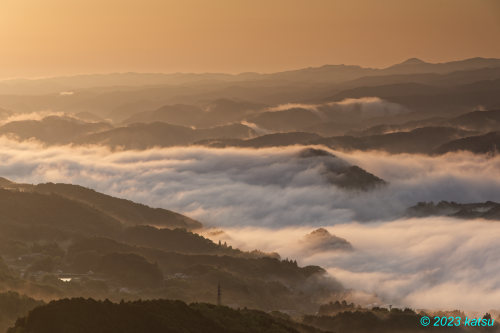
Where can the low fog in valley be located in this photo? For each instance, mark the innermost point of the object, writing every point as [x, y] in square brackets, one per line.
[320, 196]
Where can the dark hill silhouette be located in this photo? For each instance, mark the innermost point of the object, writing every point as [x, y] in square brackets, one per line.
[50, 232]
[65, 130]
[321, 240]
[130, 270]
[122, 111]
[480, 121]
[339, 73]
[12, 306]
[125, 211]
[52, 129]
[459, 77]
[484, 121]
[87, 315]
[419, 140]
[177, 240]
[429, 100]
[349, 318]
[285, 121]
[414, 65]
[262, 282]
[487, 210]
[326, 73]
[480, 144]
[31, 210]
[218, 112]
[268, 140]
[177, 114]
[195, 259]
[225, 110]
[158, 134]
[119, 96]
[340, 173]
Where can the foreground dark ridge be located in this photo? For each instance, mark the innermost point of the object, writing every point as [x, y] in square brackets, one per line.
[81, 315]
[87, 315]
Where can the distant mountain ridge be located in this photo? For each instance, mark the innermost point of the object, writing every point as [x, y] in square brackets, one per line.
[415, 65]
[158, 134]
[480, 144]
[423, 88]
[217, 113]
[475, 131]
[54, 130]
[337, 73]
[345, 106]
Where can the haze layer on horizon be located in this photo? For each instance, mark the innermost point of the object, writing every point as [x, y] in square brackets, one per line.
[56, 37]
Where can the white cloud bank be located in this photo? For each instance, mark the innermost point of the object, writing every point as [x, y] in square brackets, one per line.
[246, 187]
[269, 199]
[430, 263]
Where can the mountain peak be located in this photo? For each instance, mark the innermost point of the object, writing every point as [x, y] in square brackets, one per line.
[413, 61]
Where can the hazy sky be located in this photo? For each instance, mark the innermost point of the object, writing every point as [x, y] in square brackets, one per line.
[53, 37]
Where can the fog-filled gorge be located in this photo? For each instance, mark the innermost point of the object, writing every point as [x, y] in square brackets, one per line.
[423, 263]
[269, 199]
[272, 187]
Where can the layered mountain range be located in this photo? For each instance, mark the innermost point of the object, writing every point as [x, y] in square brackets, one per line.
[64, 241]
[411, 107]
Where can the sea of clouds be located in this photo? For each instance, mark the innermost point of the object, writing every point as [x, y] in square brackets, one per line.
[270, 198]
[430, 263]
[270, 187]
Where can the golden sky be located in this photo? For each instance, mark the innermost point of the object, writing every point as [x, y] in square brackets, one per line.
[55, 37]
